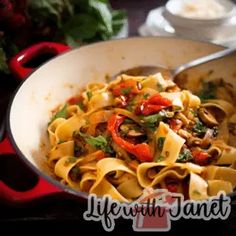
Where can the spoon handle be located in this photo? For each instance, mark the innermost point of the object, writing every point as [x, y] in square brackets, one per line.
[203, 59]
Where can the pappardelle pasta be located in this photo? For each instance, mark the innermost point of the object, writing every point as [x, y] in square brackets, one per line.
[138, 132]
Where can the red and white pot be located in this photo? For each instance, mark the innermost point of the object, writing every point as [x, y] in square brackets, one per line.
[55, 81]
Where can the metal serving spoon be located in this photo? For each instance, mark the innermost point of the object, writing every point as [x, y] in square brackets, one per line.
[148, 70]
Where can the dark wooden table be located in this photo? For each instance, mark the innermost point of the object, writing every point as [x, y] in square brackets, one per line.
[66, 215]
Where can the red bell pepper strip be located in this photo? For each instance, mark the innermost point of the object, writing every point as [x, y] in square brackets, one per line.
[126, 87]
[74, 100]
[153, 105]
[175, 124]
[171, 185]
[141, 151]
[200, 157]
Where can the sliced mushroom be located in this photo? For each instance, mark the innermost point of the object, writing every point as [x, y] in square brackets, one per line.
[207, 117]
[214, 152]
[132, 130]
[219, 108]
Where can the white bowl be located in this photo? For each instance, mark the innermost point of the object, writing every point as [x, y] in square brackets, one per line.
[173, 13]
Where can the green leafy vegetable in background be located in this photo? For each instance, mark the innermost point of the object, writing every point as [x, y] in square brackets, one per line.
[83, 20]
[73, 22]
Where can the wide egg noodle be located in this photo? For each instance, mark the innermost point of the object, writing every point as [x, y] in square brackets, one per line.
[216, 186]
[102, 186]
[197, 187]
[62, 169]
[66, 130]
[224, 106]
[172, 144]
[176, 170]
[220, 173]
[53, 138]
[157, 82]
[74, 110]
[100, 100]
[60, 150]
[87, 181]
[228, 156]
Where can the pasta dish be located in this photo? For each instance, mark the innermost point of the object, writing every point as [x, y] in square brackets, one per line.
[138, 132]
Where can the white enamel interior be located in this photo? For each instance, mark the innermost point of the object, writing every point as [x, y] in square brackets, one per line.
[63, 76]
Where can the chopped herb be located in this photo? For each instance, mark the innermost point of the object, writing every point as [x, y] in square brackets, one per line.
[199, 128]
[60, 114]
[153, 120]
[185, 156]
[159, 158]
[146, 95]
[126, 91]
[81, 106]
[160, 87]
[151, 128]
[74, 173]
[89, 95]
[98, 142]
[208, 91]
[128, 121]
[70, 160]
[160, 143]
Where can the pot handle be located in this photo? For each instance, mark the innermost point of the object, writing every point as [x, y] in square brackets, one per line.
[17, 64]
[40, 190]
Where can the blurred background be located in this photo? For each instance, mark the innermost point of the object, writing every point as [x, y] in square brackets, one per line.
[78, 22]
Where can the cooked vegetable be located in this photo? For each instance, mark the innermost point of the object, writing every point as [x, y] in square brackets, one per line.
[153, 120]
[141, 151]
[207, 117]
[199, 128]
[185, 156]
[200, 157]
[98, 142]
[61, 113]
[160, 143]
[153, 105]
[131, 142]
